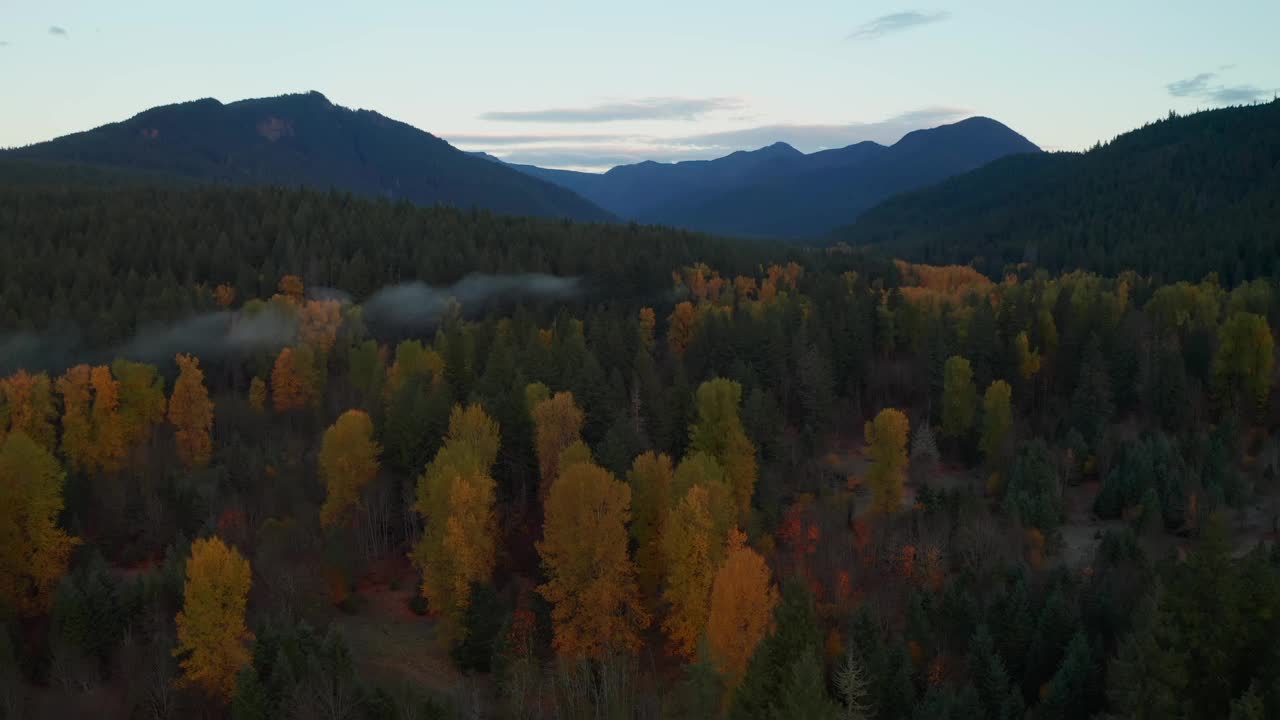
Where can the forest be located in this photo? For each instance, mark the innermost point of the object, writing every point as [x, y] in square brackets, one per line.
[271, 453]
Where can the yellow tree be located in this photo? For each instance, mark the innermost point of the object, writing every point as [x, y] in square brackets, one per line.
[290, 387]
[77, 427]
[258, 394]
[997, 420]
[213, 641]
[648, 321]
[959, 397]
[557, 424]
[743, 598]
[692, 550]
[28, 403]
[701, 469]
[412, 360]
[34, 551]
[320, 320]
[109, 449]
[886, 438]
[456, 499]
[1244, 363]
[681, 328]
[718, 432]
[348, 462]
[142, 400]
[191, 414]
[591, 584]
[650, 481]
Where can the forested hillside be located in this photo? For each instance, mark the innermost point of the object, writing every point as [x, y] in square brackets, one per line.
[1178, 198]
[390, 462]
[305, 140]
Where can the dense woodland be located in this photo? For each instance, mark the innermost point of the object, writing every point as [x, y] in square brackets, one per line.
[1177, 199]
[717, 479]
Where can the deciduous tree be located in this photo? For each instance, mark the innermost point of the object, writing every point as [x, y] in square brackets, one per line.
[591, 584]
[557, 424]
[348, 462]
[650, 481]
[997, 421]
[191, 414]
[213, 641]
[718, 432]
[28, 405]
[886, 438]
[34, 551]
[743, 598]
[959, 397]
[692, 551]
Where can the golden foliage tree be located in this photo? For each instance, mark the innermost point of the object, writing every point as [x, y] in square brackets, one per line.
[292, 288]
[34, 551]
[591, 584]
[77, 427]
[109, 448]
[692, 550]
[959, 397]
[997, 420]
[650, 480]
[1244, 363]
[648, 321]
[701, 469]
[290, 384]
[191, 414]
[681, 327]
[718, 432]
[557, 424]
[320, 320]
[258, 394]
[1028, 359]
[886, 438]
[224, 295]
[412, 360]
[28, 407]
[743, 598]
[213, 641]
[348, 462]
[456, 499]
[142, 400]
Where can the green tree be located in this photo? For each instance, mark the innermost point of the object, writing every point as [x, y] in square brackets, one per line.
[959, 398]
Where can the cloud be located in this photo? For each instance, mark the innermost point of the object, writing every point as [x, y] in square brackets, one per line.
[658, 108]
[600, 152]
[1206, 86]
[416, 305]
[58, 31]
[4, 43]
[895, 22]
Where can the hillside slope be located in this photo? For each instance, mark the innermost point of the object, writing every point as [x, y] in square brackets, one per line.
[305, 140]
[1180, 197]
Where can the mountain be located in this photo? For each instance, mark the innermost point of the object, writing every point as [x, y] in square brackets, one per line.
[1181, 197]
[306, 140]
[778, 191]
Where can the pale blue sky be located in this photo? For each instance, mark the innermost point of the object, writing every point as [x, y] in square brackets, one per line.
[591, 84]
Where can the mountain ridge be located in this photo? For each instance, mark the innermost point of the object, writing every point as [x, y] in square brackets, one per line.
[776, 190]
[304, 139]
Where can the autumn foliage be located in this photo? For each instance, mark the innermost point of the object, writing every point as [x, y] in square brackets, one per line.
[456, 498]
[348, 462]
[191, 414]
[886, 438]
[743, 597]
[212, 637]
[27, 401]
[34, 551]
[557, 424]
[591, 583]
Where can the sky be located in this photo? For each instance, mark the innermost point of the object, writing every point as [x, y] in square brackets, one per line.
[590, 85]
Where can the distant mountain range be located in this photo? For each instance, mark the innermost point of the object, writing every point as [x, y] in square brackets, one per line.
[778, 191]
[306, 140]
[1178, 198]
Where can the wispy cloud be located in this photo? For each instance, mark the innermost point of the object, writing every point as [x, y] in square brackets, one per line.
[601, 151]
[4, 43]
[658, 108]
[58, 31]
[896, 22]
[1207, 86]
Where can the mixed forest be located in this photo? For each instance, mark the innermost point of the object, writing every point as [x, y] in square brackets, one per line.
[270, 453]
